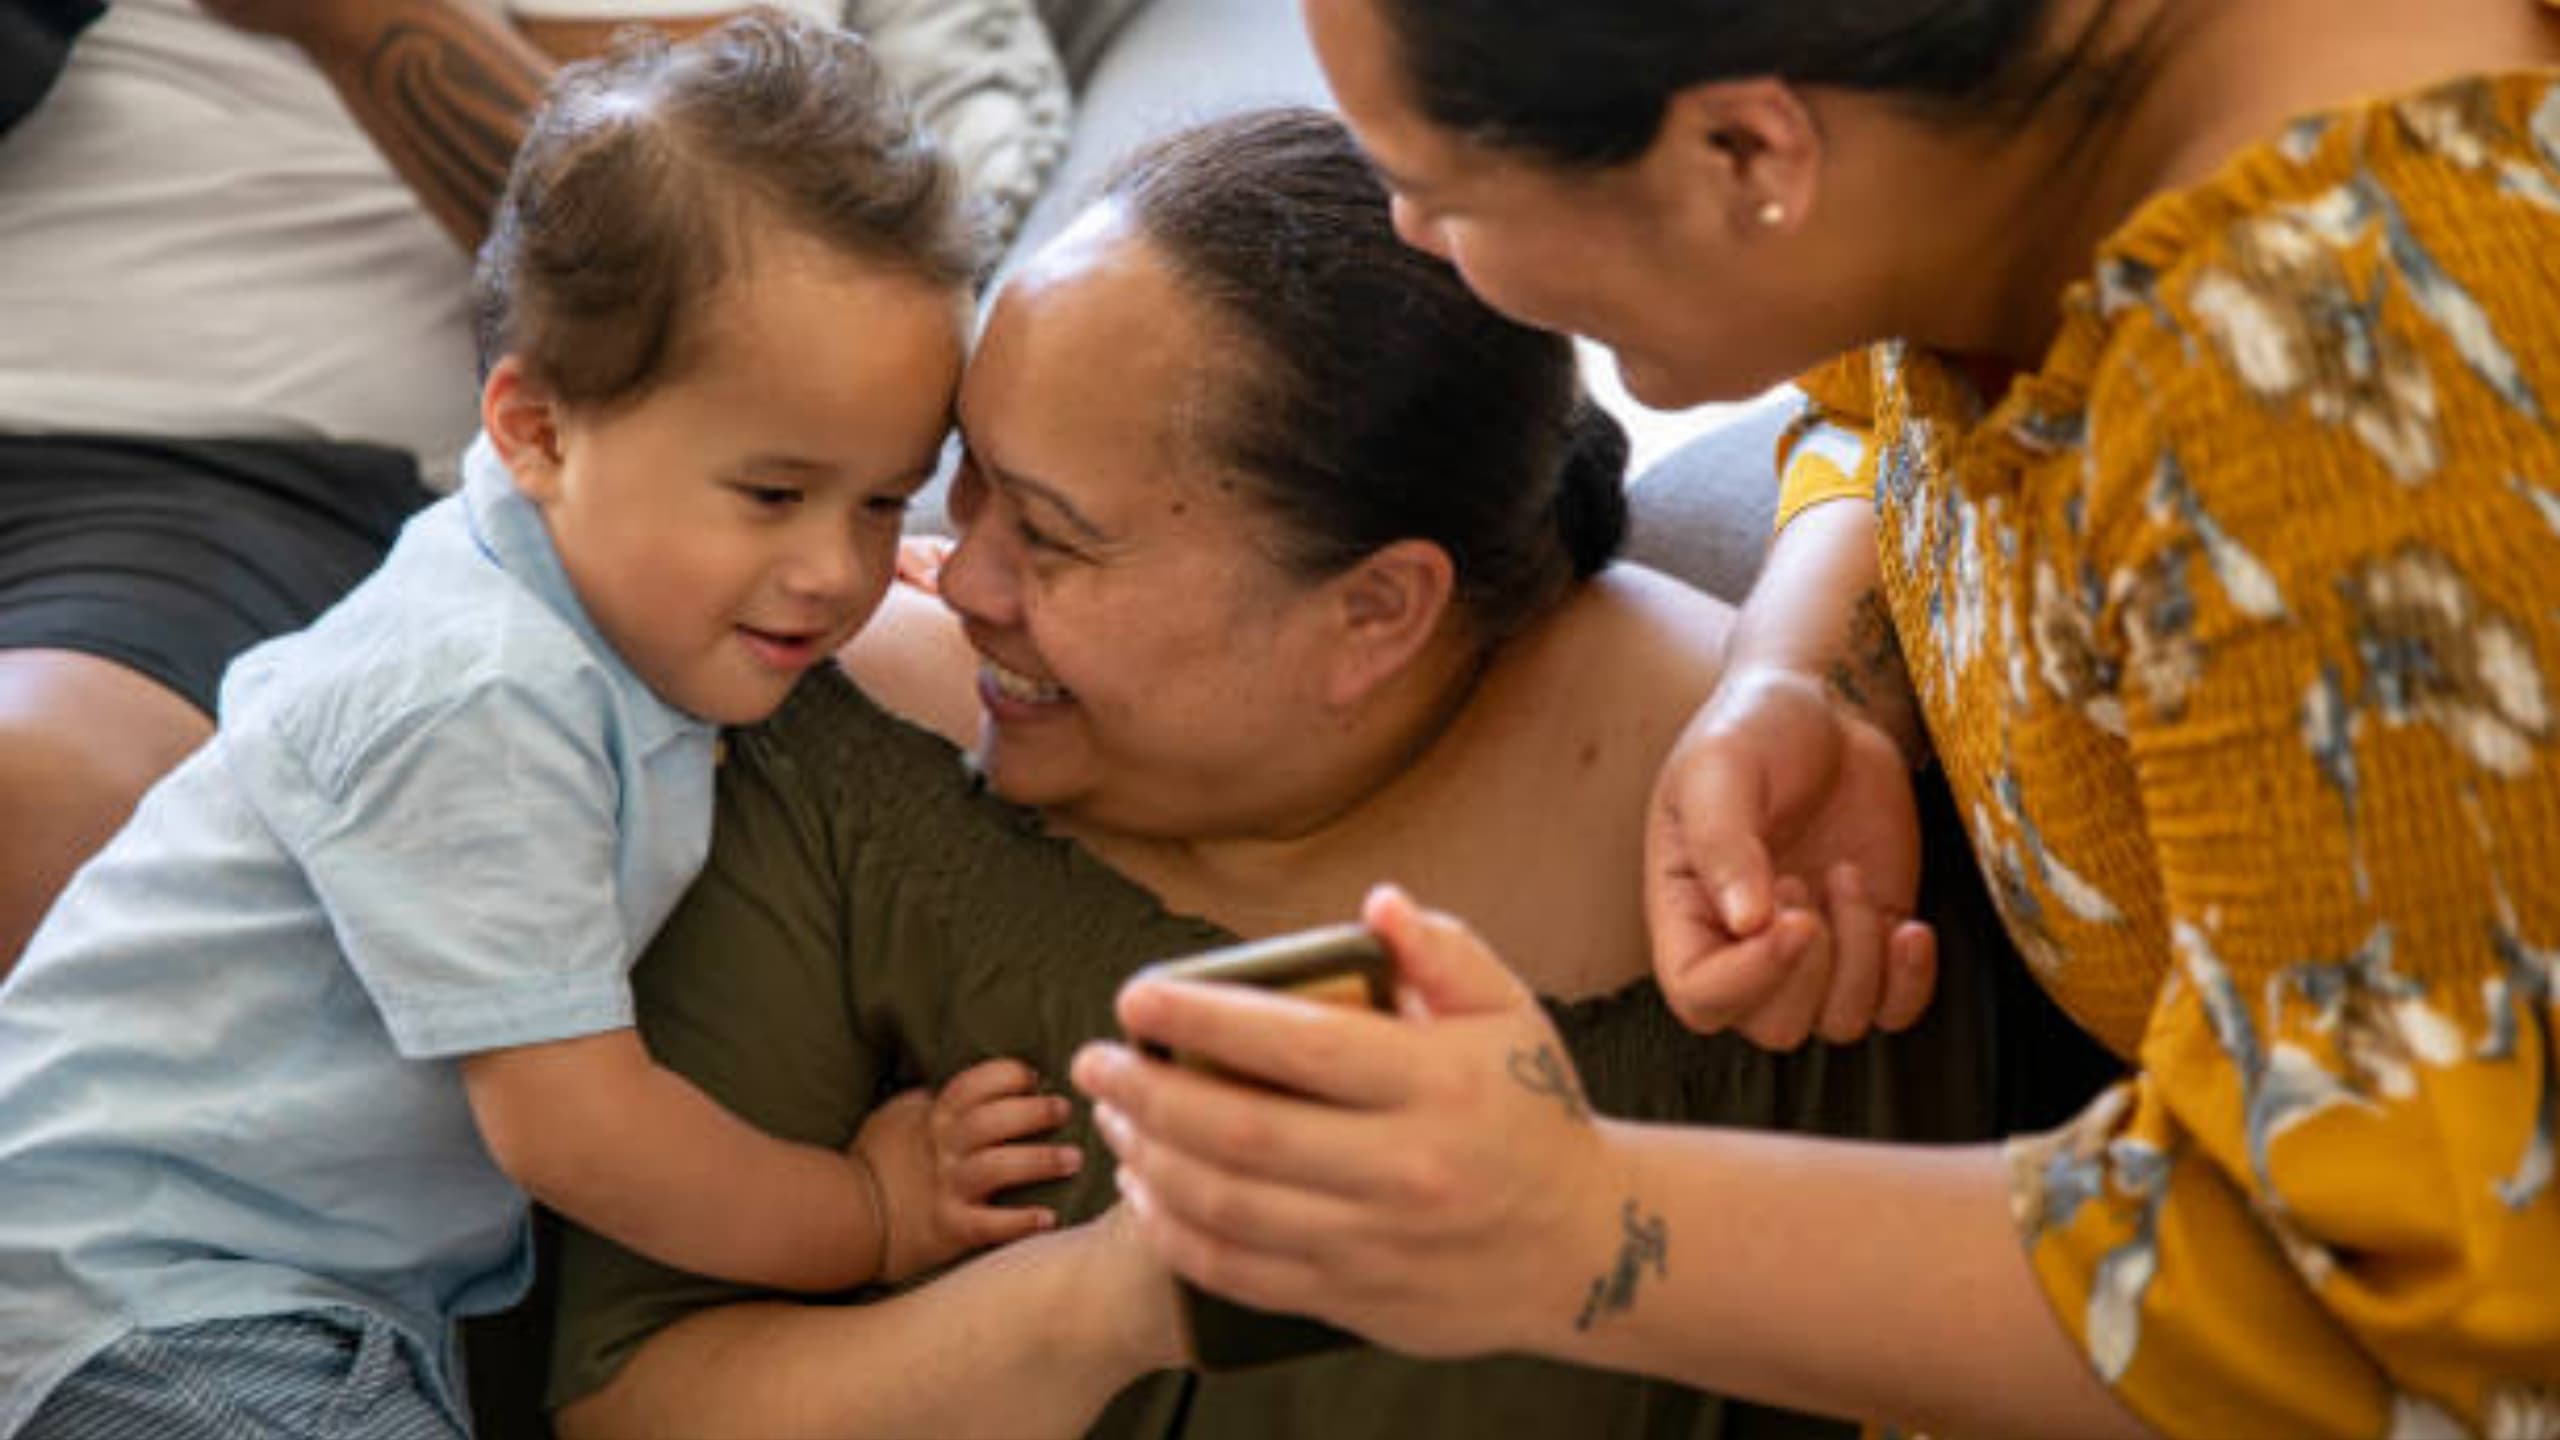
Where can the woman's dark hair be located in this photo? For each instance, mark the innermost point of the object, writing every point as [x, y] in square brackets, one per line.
[646, 170]
[1378, 400]
[1585, 83]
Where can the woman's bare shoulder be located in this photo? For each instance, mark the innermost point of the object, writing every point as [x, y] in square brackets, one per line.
[1648, 597]
[914, 661]
[1609, 677]
[1550, 772]
[1632, 633]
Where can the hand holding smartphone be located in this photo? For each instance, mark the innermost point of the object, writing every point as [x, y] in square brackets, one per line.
[1335, 965]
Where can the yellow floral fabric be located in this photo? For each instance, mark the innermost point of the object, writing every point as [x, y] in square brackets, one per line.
[1821, 460]
[2236, 626]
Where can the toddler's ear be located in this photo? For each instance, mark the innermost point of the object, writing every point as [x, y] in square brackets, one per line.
[524, 424]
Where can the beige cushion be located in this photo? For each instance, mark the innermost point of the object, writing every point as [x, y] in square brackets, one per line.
[986, 80]
[1082, 28]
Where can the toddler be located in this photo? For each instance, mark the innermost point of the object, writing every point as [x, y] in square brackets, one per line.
[279, 1069]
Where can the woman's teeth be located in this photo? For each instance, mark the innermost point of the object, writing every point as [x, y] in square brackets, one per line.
[1013, 685]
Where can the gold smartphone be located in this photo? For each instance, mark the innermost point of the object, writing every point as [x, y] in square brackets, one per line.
[1335, 965]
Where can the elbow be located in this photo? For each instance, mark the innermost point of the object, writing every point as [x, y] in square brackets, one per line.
[535, 1160]
[589, 1417]
[536, 1114]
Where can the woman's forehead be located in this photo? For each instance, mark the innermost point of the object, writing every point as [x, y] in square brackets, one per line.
[1110, 355]
[1116, 451]
[1093, 237]
[1101, 297]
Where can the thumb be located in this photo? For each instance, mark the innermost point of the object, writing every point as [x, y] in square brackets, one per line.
[1709, 812]
[1444, 968]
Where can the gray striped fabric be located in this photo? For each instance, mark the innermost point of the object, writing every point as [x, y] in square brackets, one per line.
[337, 1375]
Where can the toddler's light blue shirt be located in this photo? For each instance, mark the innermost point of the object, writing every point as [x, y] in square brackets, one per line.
[441, 820]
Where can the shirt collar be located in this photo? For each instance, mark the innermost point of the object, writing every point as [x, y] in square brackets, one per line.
[508, 529]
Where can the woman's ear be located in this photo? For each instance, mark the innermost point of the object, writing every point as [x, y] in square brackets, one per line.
[524, 424]
[1387, 608]
[1747, 153]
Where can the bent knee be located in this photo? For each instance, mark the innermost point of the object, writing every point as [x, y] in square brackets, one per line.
[75, 757]
[89, 723]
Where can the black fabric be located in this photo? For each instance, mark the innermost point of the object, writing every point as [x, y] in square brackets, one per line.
[507, 1356]
[35, 42]
[170, 557]
[2042, 1068]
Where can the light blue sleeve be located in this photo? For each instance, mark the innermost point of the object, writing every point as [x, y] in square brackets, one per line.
[466, 856]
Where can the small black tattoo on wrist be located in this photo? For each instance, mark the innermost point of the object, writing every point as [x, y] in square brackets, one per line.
[1846, 686]
[1647, 1243]
[1870, 663]
[1544, 1072]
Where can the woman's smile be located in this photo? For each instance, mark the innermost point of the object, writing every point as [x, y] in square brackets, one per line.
[1010, 694]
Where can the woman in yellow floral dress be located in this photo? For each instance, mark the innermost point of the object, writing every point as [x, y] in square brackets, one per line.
[2206, 355]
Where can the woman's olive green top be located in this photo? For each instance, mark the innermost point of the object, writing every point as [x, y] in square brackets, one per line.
[872, 919]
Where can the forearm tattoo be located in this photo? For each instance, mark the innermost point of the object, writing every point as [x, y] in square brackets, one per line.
[1869, 666]
[448, 104]
[1646, 1245]
[1544, 1072]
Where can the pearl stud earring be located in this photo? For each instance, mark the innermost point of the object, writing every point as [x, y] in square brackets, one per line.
[1772, 215]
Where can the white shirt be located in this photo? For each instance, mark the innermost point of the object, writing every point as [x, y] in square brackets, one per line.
[197, 240]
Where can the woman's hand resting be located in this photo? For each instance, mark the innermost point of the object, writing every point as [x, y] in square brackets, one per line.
[1436, 1182]
[1782, 857]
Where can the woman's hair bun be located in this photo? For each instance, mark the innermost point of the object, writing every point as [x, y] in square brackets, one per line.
[1591, 488]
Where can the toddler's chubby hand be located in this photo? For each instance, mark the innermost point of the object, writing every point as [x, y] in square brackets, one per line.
[941, 1157]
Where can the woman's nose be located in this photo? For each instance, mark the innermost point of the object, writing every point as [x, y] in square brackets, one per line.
[977, 579]
[1416, 228]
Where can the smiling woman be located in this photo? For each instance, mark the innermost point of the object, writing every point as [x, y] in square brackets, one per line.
[1286, 564]
[2199, 370]
[1287, 574]
[1636, 253]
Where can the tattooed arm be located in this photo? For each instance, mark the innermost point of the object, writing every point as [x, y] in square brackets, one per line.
[442, 86]
[1876, 1282]
[1818, 610]
[1455, 1196]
